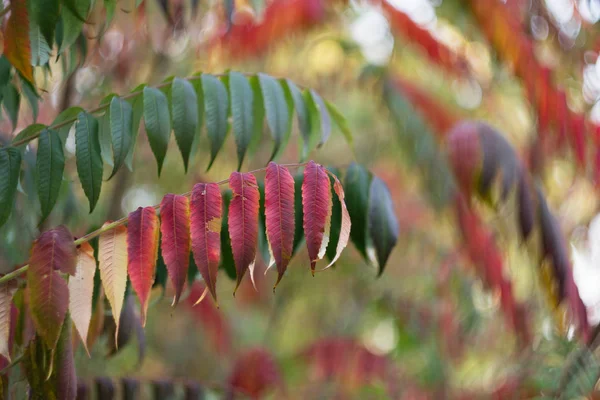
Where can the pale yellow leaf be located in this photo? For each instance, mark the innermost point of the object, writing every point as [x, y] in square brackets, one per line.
[112, 257]
[7, 292]
[81, 289]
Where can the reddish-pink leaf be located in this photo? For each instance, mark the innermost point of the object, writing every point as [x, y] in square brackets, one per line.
[243, 223]
[16, 39]
[255, 373]
[7, 292]
[142, 252]
[279, 215]
[81, 288]
[346, 224]
[316, 203]
[53, 252]
[206, 232]
[175, 229]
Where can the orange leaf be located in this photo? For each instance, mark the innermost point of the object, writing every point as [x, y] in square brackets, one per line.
[16, 39]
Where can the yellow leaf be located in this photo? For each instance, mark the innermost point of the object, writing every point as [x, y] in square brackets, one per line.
[112, 257]
[81, 289]
[6, 294]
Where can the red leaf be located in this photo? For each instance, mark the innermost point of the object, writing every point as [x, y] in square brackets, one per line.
[346, 223]
[214, 323]
[279, 215]
[243, 223]
[206, 232]
[175, 229]
[16, 39]
[316, 203]
[52, 252]
[142, 252]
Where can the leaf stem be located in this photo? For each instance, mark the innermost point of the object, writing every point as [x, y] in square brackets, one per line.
[14, 362]
[123, 221]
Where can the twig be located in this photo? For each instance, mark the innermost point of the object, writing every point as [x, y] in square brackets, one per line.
[123, 221]
[14, 362]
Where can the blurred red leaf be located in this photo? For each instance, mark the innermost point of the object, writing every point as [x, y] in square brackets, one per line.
[215, 325]
[254, 374]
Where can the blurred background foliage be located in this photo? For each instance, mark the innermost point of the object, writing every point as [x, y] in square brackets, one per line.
[427, 328]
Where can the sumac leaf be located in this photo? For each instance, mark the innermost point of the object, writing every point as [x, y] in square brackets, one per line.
[279, 215]
[243, 222]
[316, 204]
[241, 97]
[7, 291]
[45, 13]
[142, 250]
[185, 116]
[121, 131]
[50, 165]
[301, 113]
[346, 223]
[89, 157]
[157, 122]
[64, 365]
[175, 241]
[81, 289]
[16, 39]
[382, 223]
[216, 106]
[10, 165]
[227, 263]
[112, 257]
[52, 253]
[206, 232]
[276, 111]
[357, 184]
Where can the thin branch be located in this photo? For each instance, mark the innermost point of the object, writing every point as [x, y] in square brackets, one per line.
[123, 221]
[14, 362]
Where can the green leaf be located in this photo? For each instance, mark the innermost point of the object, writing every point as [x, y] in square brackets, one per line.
[258, 112]
[185, 116]
[30, 132]
[216, 107]
[73, 7]
[158, 123]
[12, 102]
[89, 157]
[104, 132]
[137, 103]
[10, 165]
[49, 167]
[44, 13]
[73, 22]
[121, 125]
[66, 117]
[5, 68]
[110, 7]
[356, 188]
[241, 112]
[40, 50]
[299, 211]
[382, 223]
[324, 117]
[301, 113]
[341, 122]
[276, 110]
